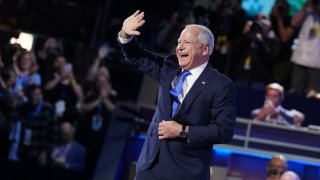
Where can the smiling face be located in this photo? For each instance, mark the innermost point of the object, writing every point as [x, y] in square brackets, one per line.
[190, 51]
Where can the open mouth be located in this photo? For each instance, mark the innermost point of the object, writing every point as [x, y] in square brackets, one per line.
[184, 55]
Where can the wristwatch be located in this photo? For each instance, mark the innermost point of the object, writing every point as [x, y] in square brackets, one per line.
[183, 133]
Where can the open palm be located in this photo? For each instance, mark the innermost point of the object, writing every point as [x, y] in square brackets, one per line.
[132, 24]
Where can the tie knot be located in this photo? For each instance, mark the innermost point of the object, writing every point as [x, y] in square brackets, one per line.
[175, 92]
[184, 74]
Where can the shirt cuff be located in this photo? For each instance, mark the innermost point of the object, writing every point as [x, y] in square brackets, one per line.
[123, 40]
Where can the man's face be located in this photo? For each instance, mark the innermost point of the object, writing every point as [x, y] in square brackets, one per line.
[274, 96]
[279, 164]
[66, 133]
[36, 96]
[190, 52]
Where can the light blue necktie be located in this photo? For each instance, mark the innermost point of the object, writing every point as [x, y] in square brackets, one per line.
[176, 91]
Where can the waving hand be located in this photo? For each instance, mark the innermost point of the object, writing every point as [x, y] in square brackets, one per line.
[131, 25]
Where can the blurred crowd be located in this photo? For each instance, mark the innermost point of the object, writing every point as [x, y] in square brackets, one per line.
[47, 117]
[255, 50]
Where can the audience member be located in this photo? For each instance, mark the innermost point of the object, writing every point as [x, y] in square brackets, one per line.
[68, 153]
[228, 18]
[256, 51]
[98, 67]
[37, 129]
[305, 57]
[272, 111]
[26, 68]
[7, 103]
[281, 24]
[276, 167]
[46, 56]
[7, 95]
[64, 91]
[97, 109]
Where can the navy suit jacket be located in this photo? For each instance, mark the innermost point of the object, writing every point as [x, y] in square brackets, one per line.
[76, 157]
[208, 109]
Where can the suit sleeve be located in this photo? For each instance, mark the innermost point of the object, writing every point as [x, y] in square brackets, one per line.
[220, 128]
[142, 59]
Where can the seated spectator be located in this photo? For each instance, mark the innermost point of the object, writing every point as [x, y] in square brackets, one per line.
[276, 167]
[289, 175]
[68, 154]
[272, 111]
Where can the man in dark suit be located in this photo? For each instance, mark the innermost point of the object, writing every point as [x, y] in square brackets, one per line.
[68, 154]
[187, 122]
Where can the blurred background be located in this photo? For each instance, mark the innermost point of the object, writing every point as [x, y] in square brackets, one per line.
[70, 107]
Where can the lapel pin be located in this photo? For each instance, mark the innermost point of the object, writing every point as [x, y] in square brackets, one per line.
[203, 82]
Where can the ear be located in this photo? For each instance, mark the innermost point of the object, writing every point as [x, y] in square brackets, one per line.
[205, 49]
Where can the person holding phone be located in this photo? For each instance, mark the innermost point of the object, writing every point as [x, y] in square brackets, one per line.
[272, 111]
[64, 90]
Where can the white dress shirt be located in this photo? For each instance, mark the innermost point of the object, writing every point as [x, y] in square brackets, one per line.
[189, 81]
[123, 40]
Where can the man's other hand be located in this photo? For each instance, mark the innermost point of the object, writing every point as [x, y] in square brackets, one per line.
[169, 129]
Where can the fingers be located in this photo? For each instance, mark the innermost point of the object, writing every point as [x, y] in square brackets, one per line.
[132, 24]
[136, 13]
[161, 129]
[136, 33]
[140, 16]
[141, 23]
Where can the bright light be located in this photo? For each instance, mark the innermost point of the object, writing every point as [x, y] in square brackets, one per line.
[25, 40]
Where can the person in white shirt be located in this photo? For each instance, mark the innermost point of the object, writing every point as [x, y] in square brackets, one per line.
[272, 111]
[305, 57]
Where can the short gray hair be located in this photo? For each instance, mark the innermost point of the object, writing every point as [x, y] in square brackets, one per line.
[205, 36]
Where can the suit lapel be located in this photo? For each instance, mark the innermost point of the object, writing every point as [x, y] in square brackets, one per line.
[196, 88]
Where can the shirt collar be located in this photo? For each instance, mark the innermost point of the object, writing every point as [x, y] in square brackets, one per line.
[198, 70]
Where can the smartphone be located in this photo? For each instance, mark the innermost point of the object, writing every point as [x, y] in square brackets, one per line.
[68, 67]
